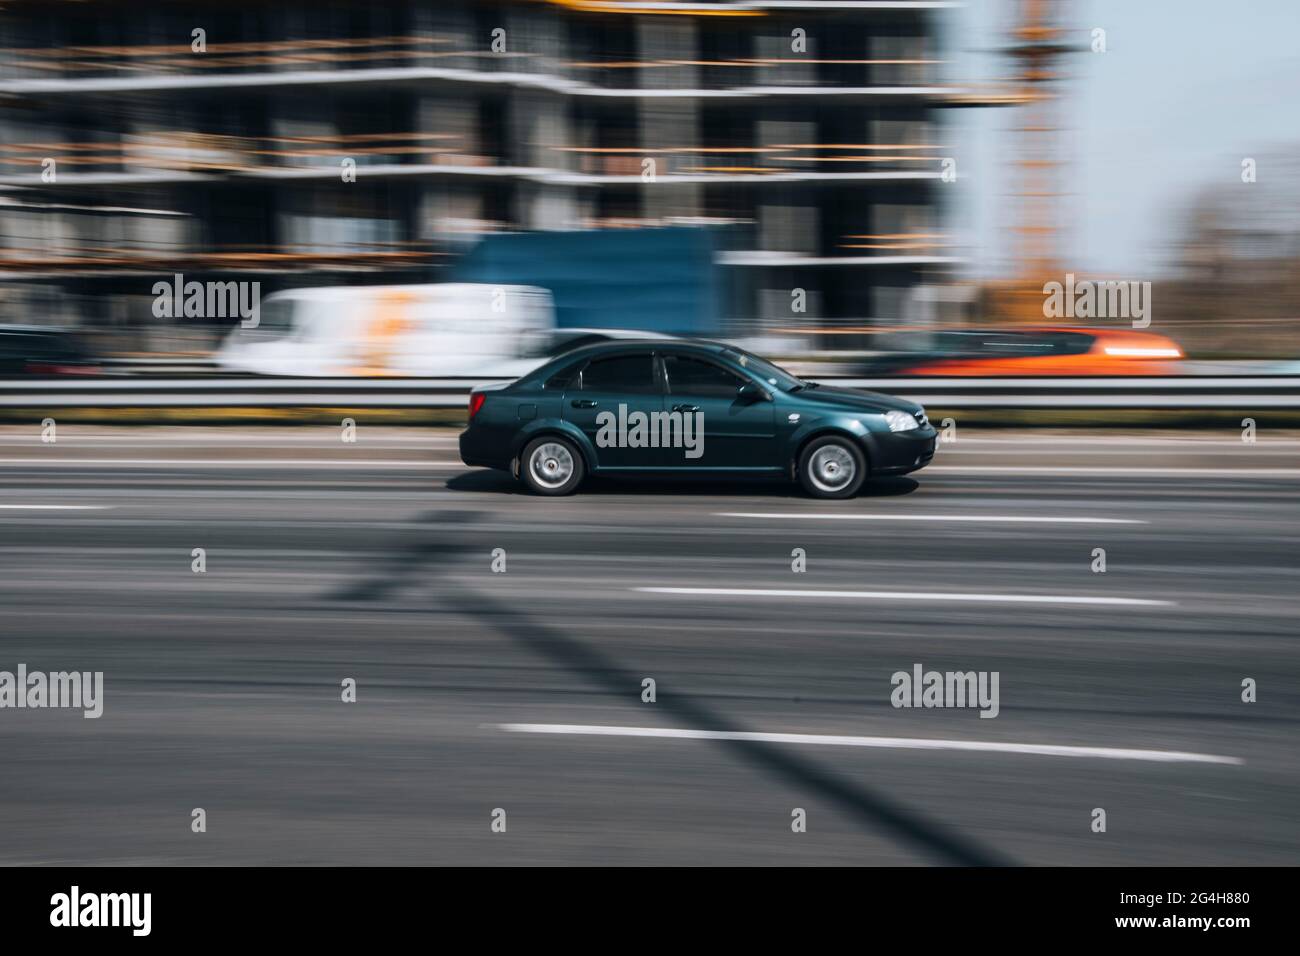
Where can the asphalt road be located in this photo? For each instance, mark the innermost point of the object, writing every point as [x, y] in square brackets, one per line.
[522, 690]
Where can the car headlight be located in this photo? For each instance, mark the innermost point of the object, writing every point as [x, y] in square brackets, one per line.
[901, 421]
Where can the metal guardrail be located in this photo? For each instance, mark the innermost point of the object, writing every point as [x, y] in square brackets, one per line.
[1191, 393]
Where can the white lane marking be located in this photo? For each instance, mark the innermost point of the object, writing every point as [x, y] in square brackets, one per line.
[198, 441]
[1146, 444]
[1114, 471]
[858, 516]
[229, 463]
[891, 743]
[450, 463]
[295, 489]
[55, 507]
[1045, 383]
[913, 596]
[1099, 451]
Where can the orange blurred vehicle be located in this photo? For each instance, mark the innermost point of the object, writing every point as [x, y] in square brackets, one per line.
[1047, 351]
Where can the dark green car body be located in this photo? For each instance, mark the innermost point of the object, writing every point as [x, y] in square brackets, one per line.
[754, 419]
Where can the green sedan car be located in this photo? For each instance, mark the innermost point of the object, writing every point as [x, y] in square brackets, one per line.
[668, 407]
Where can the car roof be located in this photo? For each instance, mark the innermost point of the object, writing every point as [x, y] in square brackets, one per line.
[28, 329]
[622, 335]
[1053, 329]
[439, 289]
[1021, 330]
[619, 345]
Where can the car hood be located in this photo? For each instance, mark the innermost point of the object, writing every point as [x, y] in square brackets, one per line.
[832, 396]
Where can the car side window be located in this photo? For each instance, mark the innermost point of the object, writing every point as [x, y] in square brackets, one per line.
[621, 373]
[691, 376]
[562, 379]
[1072, 343]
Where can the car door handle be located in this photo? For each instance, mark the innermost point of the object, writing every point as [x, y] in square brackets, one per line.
[583, 403]
[686, 408]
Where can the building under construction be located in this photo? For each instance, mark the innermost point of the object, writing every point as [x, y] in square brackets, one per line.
[302, 143]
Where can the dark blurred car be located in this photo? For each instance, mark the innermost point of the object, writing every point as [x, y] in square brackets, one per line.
[688, 409]
[38, 350]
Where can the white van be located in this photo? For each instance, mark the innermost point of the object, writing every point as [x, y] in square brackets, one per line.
[446, 329]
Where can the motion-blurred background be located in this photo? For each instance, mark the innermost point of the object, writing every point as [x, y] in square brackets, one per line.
[451, 190]
[855, 185]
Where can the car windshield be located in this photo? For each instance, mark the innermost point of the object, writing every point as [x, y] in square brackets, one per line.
[275, 320]
[772, 374]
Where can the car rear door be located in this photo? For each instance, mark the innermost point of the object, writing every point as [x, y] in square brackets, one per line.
[607, 399]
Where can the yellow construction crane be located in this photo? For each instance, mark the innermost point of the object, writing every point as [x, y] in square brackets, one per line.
[1037, 159]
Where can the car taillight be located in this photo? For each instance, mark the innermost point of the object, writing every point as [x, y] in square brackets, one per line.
[47, 368]
[476, 400]
[1145, 352]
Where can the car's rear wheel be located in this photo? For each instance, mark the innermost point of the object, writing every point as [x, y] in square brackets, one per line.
[832, 467]
[552, 466]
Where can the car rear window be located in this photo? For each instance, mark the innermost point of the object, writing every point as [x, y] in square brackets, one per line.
[39, 346]
[1010, 344]
[564, 377]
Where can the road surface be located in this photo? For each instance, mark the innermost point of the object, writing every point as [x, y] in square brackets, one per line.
[522, 690]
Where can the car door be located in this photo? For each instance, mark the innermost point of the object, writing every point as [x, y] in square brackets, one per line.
[614, 400]
[739, 430]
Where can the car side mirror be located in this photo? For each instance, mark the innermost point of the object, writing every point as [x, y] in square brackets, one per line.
[749, 392]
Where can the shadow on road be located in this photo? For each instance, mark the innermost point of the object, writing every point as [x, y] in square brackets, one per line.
[450, 534]
[499, 482]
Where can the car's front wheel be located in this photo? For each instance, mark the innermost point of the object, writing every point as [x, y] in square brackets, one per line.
[832, 467]
[552, 466]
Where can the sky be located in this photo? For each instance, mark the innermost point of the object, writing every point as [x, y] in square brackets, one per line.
[1185, 90]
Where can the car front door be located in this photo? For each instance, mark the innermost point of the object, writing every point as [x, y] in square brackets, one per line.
[739, 430]
[614, 400]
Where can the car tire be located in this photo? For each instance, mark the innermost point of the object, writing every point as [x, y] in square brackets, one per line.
[832, 466]
[552, 466]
